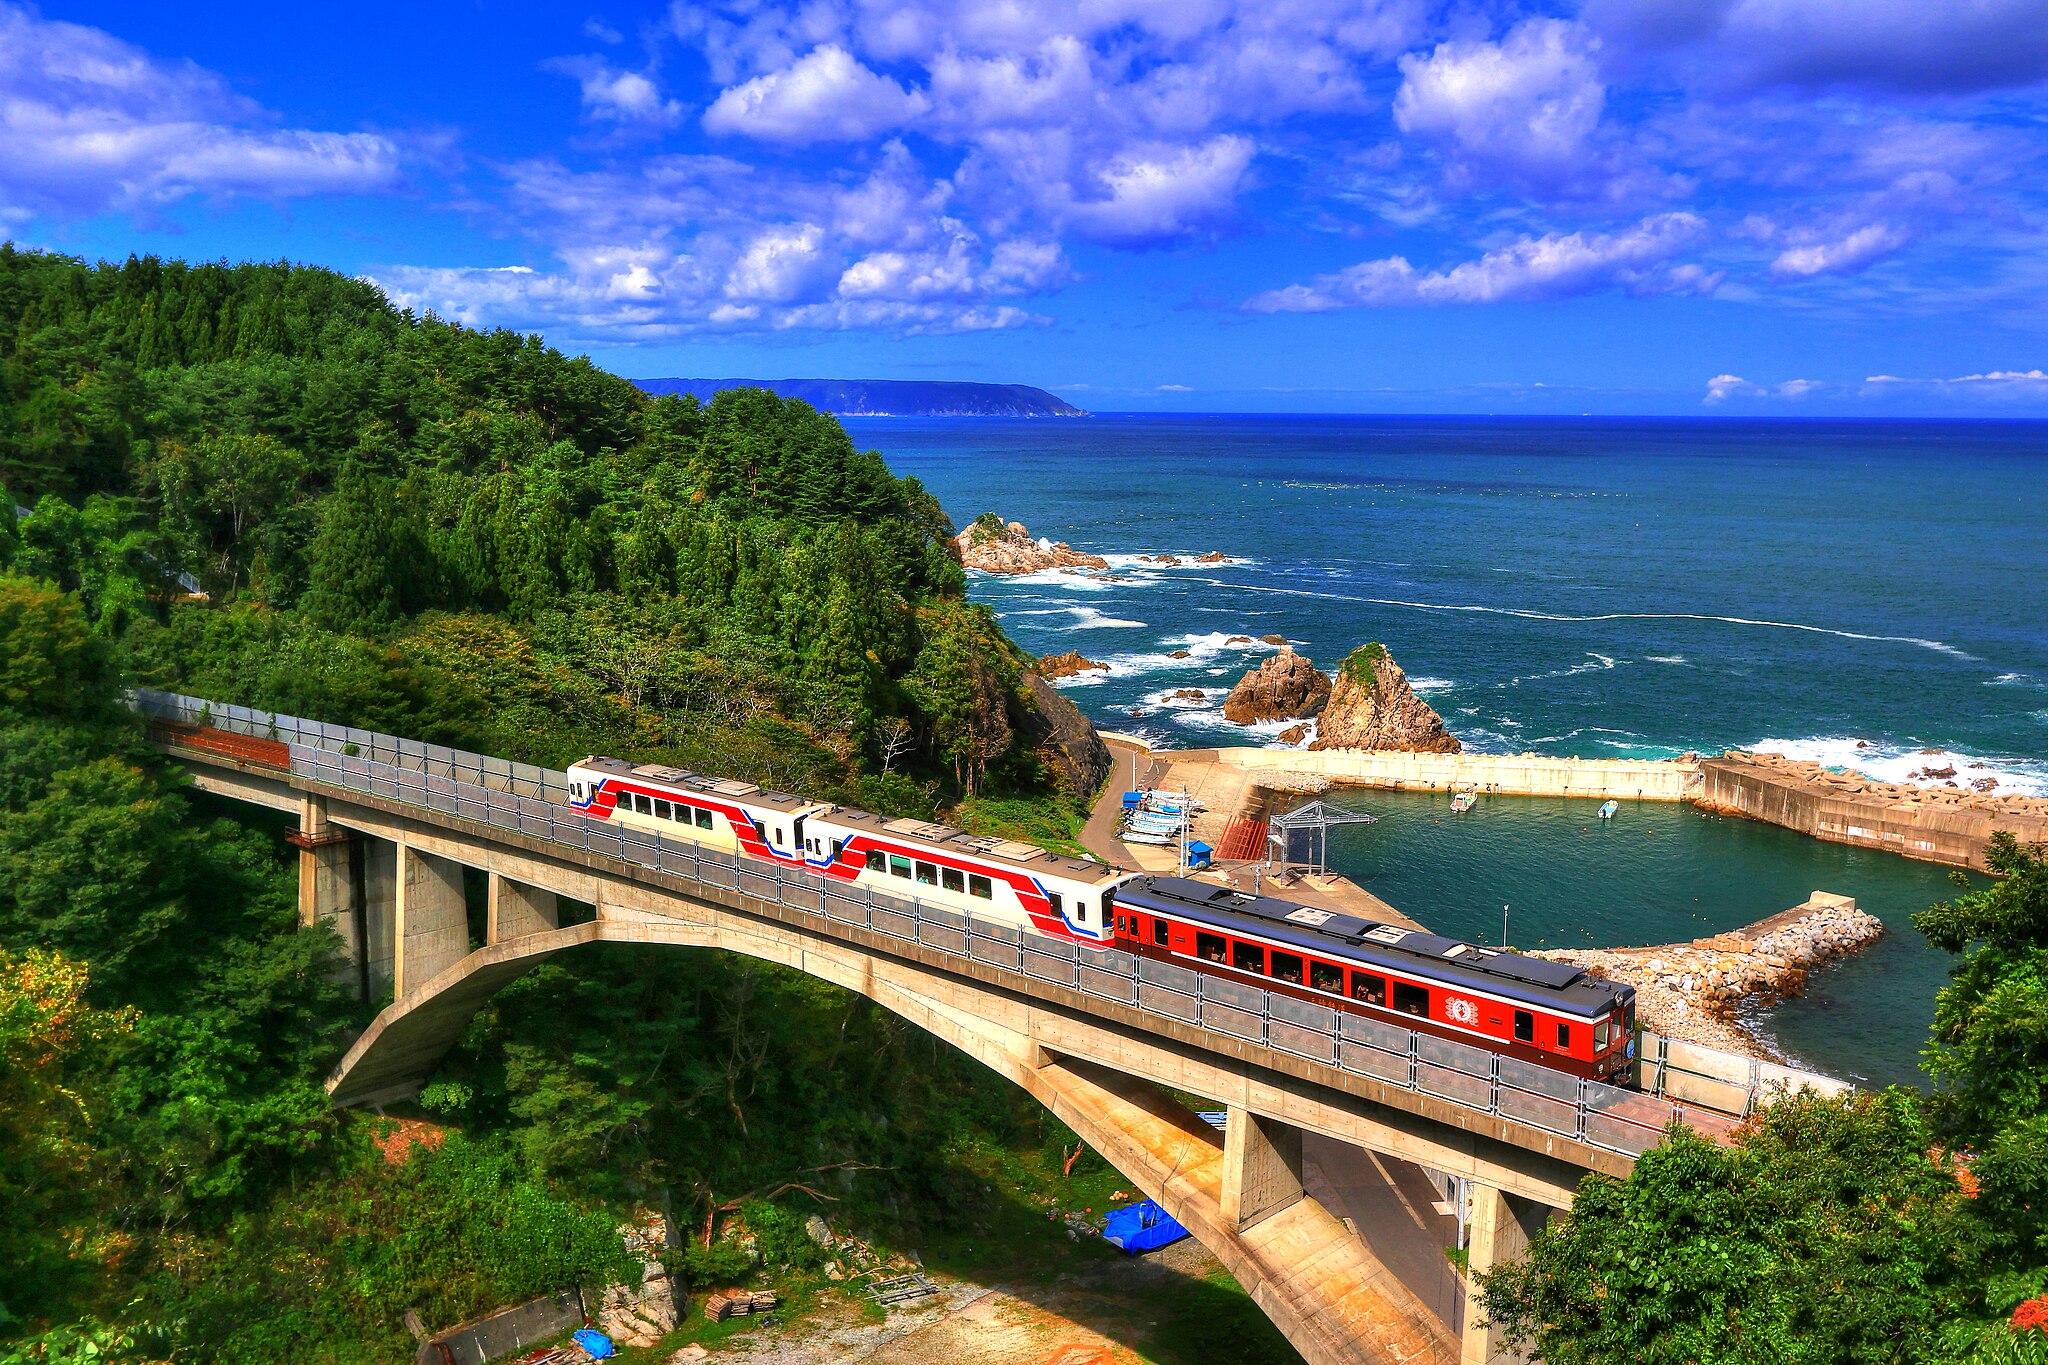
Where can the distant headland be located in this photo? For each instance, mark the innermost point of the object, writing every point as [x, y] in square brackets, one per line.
[889, 397]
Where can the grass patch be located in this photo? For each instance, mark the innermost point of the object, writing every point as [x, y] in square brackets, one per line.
[1362, 665]
[1052, 824]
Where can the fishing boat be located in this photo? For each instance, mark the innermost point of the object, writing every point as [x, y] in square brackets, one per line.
[1161, 803]
[1156, 824]
[1462, 802]
[1607, 809]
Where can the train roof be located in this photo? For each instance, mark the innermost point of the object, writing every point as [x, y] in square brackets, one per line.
[1331, 934]
[697, 782]
[988, 848]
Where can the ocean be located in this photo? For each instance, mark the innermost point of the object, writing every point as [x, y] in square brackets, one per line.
[1850, 592]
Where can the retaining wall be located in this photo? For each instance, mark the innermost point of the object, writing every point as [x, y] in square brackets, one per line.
[1506, 774]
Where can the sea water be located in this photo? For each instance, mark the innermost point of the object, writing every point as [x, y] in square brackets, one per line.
[1855, 593]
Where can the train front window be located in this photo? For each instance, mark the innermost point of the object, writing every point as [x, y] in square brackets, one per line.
[979, 886]
[1057, 902]
[953, 879]
[1600, 1036]
[1564, 1037]
[1411, 999]
[1324, 977]
[1248, 957]
[1286, 967]
[1369, 988]
[1208, 947]
[878, 861]
[899, 866]
[1525, 1027]
[1159, 932]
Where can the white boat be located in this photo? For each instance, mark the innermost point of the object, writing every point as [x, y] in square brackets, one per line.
[1462, 802]
[1138, 836]
[1157, 824]
[1608, 808]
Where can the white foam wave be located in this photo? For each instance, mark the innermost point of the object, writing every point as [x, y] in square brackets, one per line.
[1207, 698]
[1909, 763]
[1267, 730]
[1147, 561]
[1600, 663]
[1939, 646]
[2014, 680]
[1202, 652]
[1664, 658]
[1428, 686]
[1088, 618]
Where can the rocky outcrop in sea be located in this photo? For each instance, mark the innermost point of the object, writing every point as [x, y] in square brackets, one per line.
[1287, 686]
[1373, 707]
[995, 546]
[1067, 665]
[1064, 739]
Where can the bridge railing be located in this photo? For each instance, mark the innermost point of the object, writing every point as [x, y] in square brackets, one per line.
[444, 781]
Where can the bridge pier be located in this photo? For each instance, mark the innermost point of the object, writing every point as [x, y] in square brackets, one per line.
[1261, 1167]
[1500, 1228]
[331, 884]
[431, 929]
[516, 910]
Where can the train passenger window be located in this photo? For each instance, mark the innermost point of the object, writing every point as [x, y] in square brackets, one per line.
[1369, 988]
[1324, 977]
[899, 866]
[1057, 902]
[878, 861]
[662, 809]
[1080, 911]
[1208, 947]
[979, 886]
[1248, 957]
[953, 879]
[1411, 999]
[1525, 1027]
[703, 819]
[1600, 1035]
[927, 874]
[1159, 932]
[1564, 1037]
[1286, 967]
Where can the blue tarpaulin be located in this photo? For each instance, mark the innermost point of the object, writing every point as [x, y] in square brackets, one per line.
[1141, 1227]
[597, 1343]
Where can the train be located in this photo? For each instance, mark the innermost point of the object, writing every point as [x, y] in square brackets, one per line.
[1545, 1013]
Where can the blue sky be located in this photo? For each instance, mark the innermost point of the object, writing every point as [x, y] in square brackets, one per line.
[1745, 207]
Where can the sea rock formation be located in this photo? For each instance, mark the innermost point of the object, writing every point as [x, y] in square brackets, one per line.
[1273, 639]
[1066, 665]
[1372, 707]
[1287, 686]
[1293, 734]
[995, 546]
[1064, 739]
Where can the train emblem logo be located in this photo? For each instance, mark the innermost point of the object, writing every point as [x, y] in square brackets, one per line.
[1461, 1011]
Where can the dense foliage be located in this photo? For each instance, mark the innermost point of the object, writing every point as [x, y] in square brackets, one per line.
[1870, 1228]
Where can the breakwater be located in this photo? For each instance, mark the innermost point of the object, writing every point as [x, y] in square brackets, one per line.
[1939, 825]
[1633, 779]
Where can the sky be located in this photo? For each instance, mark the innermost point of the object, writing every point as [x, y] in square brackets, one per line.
[1691, 207]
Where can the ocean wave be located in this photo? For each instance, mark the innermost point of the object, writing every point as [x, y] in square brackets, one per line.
[1600, 664]
[1883, 762]
[2014, 680]
[1526, 614]
[1267, 730]
[1203, 651]
[1428, 686]
[1576, 731]
[1088, 618]
[1147, 561]
[1663, 658]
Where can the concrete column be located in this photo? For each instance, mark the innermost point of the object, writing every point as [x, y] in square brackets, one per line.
[1499, 1230]
[380, 915]
[432, 932]
[327, 882]
[1261, 1167]
[516, 910]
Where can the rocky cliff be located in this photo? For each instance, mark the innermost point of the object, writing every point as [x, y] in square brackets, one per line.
[1065, 739]
[1287, 686]
[995, 546]
[1372, 707]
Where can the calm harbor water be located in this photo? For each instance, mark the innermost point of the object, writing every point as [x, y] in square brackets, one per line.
[1599, 588]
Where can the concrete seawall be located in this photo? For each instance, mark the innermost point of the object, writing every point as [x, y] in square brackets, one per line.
[1500, 774]
[1952, 834]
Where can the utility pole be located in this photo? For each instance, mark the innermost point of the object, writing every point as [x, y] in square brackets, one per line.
[1503, 926]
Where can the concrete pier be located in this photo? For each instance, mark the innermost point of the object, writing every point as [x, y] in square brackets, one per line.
[517, 910]
[432, 931]
[1261, 1167]
[1499, 1231]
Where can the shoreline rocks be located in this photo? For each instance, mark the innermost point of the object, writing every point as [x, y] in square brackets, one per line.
[1979, 793]
[1697, 992]
[1067, 665]
[1373, 707]
[1287, 686]
[994, 546]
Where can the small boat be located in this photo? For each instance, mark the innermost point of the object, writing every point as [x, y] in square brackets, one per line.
[1156, 824]
[1462, 802]
[1160, 804]
[1138, 836]
[1607, 809]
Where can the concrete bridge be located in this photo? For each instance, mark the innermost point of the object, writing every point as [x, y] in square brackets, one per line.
[389, 830]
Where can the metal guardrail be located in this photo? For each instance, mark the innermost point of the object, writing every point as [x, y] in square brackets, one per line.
[523, 799]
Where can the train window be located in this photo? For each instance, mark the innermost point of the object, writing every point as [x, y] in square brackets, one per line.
[1411, 999]
[878, 861]
[703, 819]
[1080, 911]
[1324, 977]
[927, 874]
[1600, 1035]
[1369, 988]
[1208, 947]
[1525, 1027]
[979, 886]
[1564, 1037]
[663, 810]
[1057, 902]
[899, 866]
[1248, 957]
[644, 804]
[838, 847]
[953, 879]
[1286, 967]
[1159, 932]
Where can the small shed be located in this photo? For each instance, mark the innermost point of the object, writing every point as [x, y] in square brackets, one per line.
[1199, 854]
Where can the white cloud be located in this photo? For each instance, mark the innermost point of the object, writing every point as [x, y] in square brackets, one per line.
[1521, 110]
[1638, 259]
[780, 265]
[621, 97]
[1164, 192]
[1722, 387]
[1993, 386]
[1171, 388]
[91, 123]
[1844, 255]
[826, 96]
